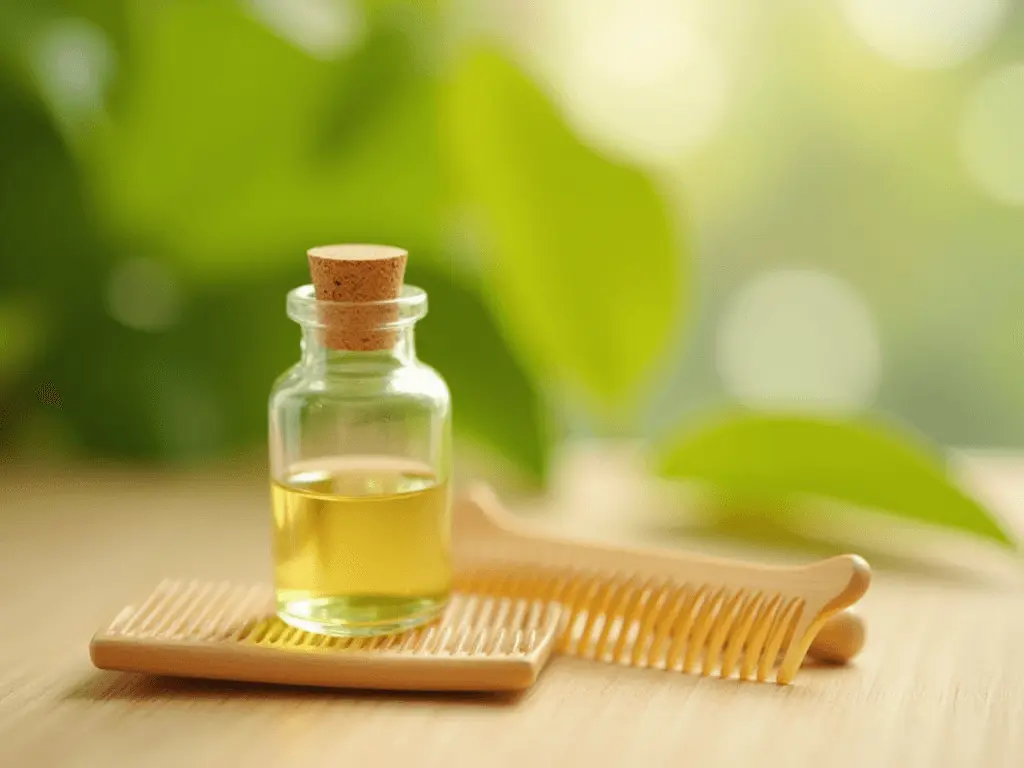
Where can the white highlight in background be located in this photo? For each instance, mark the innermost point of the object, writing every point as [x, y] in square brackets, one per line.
[639, 77]
[143, 294]
[799, 339]
[73, 62]
[323, 28]
[926, 34]
[992, 135]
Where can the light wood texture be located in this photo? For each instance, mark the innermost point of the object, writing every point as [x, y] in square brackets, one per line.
[229, 632]
[661, 608]
[939, 683]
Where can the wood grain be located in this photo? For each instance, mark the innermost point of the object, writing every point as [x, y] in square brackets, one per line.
[941, 682]
[223, 631]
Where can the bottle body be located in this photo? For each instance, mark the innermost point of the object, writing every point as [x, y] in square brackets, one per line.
[360, 468]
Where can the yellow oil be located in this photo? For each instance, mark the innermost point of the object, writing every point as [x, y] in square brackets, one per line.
[361, 547]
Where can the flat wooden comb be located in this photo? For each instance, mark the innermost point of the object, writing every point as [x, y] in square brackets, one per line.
[664, 609]
[230, 632]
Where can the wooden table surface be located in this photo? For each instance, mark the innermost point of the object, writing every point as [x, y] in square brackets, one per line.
[941, 682]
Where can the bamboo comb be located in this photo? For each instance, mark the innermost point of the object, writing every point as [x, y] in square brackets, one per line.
[663, 609]
[230, 632]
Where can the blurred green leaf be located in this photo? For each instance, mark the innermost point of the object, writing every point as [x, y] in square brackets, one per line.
[109, 382]
[371, 168]
[583, 261]
[22, 333]
[494, 399]
[45, 213]
[230, 143]
[777, 458]
[193, 390]
[52, 258]
[22, 25]
[214, 100]
[230, 152]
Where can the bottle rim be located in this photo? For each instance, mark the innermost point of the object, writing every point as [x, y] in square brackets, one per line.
[304, 308]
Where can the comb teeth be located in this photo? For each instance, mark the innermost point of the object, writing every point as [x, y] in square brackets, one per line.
[237, 614]
[700, 628]
[229, 631]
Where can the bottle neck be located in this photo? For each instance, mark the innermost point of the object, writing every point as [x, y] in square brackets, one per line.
[316, 354]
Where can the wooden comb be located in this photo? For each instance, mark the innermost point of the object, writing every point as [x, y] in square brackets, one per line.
[230, 632]
[664, 609]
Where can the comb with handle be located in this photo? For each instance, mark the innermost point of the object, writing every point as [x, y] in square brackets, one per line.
[661, 608]
[229, 632]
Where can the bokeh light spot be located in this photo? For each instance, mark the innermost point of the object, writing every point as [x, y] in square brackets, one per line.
[143, 294]
[925, 34]
[799, 339]
[322, 28]
[992, 133]
[73, 62]
[640, 77]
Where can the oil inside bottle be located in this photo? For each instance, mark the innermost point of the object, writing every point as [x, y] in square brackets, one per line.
[361, 546]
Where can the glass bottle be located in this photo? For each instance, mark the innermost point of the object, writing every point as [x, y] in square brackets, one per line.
[360, 459]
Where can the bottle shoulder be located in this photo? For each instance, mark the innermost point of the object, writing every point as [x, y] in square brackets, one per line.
[432, 379]
[411, 380]
[290, 379]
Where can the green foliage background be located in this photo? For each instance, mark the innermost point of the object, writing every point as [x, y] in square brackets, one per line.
[561, 280]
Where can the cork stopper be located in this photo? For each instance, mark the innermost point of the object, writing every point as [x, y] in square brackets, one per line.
[353, 280]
